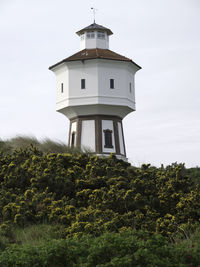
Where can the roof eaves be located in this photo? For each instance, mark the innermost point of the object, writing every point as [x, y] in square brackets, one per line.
[94, 26]
[97, 57]
[57, 64]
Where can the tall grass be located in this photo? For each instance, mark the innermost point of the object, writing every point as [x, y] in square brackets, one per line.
[46, 145]
[30, 235]
[36, 234]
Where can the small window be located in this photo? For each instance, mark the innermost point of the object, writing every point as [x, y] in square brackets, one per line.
[130, 87]
[82, 37]
[82, 83]
[90, 35]
[62, 88]
[101, 35]
[73, 139]
[112, 85]
[108, 138]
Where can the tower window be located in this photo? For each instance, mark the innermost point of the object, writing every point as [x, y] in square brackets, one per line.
[130, 87]
[82, 83]
[108, 138]
[62, 87]
[112, 85]
[73, 139]
[90, 35]
[101, 35]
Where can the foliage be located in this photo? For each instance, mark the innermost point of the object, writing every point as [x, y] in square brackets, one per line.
[99, 204]
[93, 195]
[128, 248]
[194, 174]
[47, 145]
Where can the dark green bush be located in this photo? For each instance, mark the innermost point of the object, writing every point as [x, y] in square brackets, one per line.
[129, 248]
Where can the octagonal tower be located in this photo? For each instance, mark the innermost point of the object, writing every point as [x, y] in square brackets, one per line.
[95, 89]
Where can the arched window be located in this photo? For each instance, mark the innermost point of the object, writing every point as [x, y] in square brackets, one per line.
[73, 139]
[108, 138]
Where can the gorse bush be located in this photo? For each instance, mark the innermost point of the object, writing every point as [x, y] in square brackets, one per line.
[76, 209]
[94, 195]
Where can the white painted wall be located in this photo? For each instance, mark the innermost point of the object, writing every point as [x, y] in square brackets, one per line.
[97, 95]
[73, 129]
[88, 43]
[121, 141]
[103, 43]
[62, 76]
[108, 124]
[122, 73]
[84, 110]
[83, 70]
[88, 135]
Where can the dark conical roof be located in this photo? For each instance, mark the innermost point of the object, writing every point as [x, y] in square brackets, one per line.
[95, 53]
[93, 27]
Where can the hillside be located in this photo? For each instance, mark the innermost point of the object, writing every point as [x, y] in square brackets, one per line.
[73, 202]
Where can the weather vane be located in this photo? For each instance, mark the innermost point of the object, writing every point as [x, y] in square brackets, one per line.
[94, 12]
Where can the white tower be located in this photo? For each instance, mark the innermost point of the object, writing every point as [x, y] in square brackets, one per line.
[95, 89]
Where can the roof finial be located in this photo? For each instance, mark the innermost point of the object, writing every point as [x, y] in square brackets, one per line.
[94, 12]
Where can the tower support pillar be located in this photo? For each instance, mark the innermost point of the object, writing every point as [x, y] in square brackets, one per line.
[100, 134]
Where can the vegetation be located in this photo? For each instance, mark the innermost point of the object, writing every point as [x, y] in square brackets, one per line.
[129, 248]
[81, 210]
[46, 146]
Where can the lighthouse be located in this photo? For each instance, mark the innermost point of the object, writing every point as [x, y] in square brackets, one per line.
[95, 90]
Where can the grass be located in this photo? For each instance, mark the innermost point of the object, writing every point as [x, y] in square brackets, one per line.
[46, 145]
[32, 235]
[35, 234]
[45, 245]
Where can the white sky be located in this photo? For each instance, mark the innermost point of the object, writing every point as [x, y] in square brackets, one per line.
[162, 36]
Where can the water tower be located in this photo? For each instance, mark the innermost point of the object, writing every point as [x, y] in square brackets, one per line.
[95, 90]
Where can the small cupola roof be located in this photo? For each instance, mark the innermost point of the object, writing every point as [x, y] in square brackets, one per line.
[94, 27]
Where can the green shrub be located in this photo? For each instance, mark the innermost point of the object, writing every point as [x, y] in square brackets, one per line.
[129, 248]
[92, 195]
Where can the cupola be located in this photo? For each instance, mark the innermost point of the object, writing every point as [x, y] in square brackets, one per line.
[94, 36]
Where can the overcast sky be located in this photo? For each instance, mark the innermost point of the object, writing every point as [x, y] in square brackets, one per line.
[162, 36]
